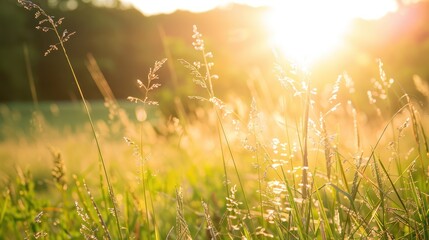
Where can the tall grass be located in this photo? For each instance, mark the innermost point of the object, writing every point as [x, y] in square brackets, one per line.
[46, 24]
[299, 165]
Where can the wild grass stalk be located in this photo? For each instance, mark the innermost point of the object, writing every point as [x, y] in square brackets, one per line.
[283, 198]
[49, 24]
[83, 212]
[421, 200]
[305, 183]
[287, 135]
[392, 184]
[359, 175]
[302, 128]
[5, 206]
[206, 82]
[416, 131]
[211, 228]
[381, 194]
[58, 173]
[225, 172]
[373, 152]
[53, 25]
[30, 77]
[101, 82]
[86, 227]
[182, 229]
[138, 152]
[327, 148]
[257, 149]
[37, 116]
[326, 229]
[154, 220]
[143, 180]
[147, 87]
[97, 210]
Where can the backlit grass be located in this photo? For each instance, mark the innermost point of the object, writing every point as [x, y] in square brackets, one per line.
[292, 162]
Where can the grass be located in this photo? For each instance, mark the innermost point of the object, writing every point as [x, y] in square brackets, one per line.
[293, 164]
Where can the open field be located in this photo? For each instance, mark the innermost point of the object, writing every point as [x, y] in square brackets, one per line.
[366, 175]
[286, 161]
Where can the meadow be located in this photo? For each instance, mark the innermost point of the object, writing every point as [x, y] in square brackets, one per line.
[290, 162]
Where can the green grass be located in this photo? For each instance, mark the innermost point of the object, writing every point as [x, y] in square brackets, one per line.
[291, 164]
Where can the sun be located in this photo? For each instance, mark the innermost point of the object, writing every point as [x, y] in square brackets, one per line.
[304, 31]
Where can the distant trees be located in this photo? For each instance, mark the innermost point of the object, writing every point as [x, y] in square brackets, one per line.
[125, 44]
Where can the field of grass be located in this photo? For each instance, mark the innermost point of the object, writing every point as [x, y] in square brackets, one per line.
[292, 162]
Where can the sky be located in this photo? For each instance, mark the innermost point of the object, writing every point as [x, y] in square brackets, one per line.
[292, 23]
[368, 9]
[151, 7]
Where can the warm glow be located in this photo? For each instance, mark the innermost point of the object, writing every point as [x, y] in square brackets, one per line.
[304, 31]
[301, 30]
[150, 7]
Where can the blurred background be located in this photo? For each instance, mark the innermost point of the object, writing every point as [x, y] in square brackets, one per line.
[247, 40]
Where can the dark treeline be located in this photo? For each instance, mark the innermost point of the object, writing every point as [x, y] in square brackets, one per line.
[126, 43]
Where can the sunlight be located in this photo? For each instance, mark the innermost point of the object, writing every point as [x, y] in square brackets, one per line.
[169, 6]
[304, 31]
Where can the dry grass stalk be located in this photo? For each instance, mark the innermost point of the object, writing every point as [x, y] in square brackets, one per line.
[211, 228]
[46, 24]
[149, 86]
[182, 230]
[59, 170]
[421, 86]
[327, 148]
[100, 218]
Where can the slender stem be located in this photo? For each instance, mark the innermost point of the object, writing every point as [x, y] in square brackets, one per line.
[259, 180]
[209, 77]
[305, 135]
[223, 161]
[31, 78]
[211, 95]
[109, 185]
[143, 178]
[234, 163]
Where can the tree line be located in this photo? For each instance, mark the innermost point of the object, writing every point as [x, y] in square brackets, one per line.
[125, 44]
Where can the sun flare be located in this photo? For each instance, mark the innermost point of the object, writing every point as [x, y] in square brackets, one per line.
[304, 31]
